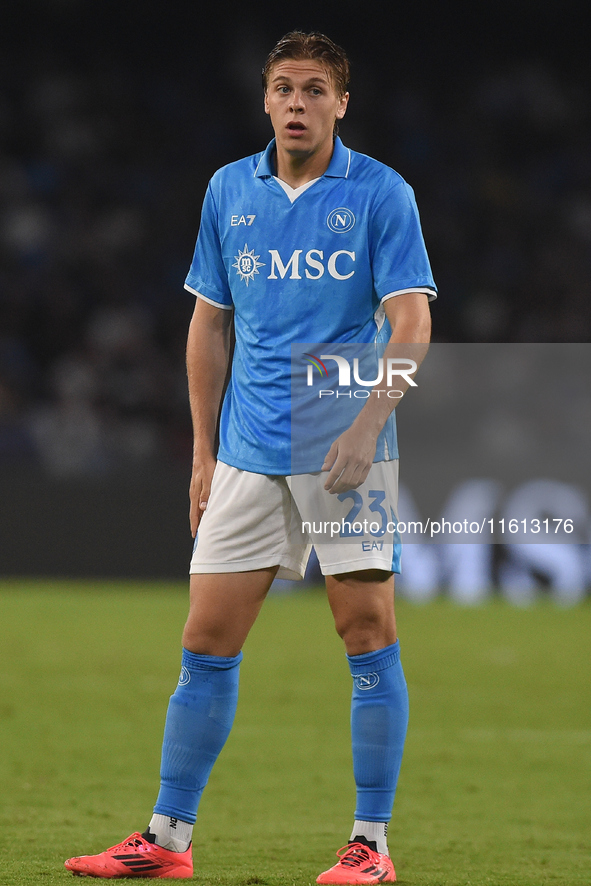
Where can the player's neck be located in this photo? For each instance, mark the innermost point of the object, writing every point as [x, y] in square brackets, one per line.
[298, 170]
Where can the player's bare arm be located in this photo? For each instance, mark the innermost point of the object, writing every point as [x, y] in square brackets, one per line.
[208, 350]
[351, 455]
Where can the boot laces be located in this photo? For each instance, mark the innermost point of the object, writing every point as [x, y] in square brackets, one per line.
[136, 841]
[354, 854]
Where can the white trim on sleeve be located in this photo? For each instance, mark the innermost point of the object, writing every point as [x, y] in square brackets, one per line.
[209, 301]
[426, 289]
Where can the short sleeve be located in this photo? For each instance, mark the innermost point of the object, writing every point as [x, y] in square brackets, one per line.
[398, 254]
[207, 275]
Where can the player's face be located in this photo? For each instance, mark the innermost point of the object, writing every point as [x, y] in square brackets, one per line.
[303, 105]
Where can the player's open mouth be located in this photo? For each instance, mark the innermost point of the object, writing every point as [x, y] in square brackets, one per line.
[295, 128]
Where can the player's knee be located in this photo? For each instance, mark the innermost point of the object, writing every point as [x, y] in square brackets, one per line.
[202, 639]
[365, 632]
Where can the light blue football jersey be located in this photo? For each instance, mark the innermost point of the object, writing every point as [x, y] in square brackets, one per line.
[311, 270]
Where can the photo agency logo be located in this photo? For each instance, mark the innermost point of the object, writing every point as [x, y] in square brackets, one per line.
[387, 372]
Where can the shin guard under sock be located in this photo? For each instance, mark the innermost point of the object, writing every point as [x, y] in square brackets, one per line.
[199, 719]
[379, 719]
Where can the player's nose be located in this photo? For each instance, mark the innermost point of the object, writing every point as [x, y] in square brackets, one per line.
[297, 100]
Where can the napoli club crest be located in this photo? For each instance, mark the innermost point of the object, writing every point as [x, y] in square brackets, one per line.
[340, 220]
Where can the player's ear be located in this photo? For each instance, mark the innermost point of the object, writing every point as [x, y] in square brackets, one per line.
[342, 108]
[266, 103]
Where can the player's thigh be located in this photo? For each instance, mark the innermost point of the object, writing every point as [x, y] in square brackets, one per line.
[239, 547]
[358, 550]
[245, 525]
[223, 608]
[362, 604]
[356, 530]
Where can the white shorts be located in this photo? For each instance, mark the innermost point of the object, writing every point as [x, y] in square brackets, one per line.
[254, 521]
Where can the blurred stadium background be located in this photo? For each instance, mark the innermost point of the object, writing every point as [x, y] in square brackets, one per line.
[114, 115]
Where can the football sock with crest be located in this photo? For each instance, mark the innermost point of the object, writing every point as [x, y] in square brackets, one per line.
[200, 716]
[379, 719]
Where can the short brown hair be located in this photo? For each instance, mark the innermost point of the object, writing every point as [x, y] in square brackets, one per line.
[298, 45]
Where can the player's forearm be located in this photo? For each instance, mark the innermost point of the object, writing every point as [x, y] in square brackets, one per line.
[409, 341]
[384, 397]
[208, 348]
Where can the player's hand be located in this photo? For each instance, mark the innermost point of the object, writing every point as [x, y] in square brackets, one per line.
[199, 490]
[348, 460]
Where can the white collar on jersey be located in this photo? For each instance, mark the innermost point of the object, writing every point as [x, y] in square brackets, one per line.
[294, 193]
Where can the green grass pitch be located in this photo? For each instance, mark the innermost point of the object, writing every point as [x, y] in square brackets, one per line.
[495, 785]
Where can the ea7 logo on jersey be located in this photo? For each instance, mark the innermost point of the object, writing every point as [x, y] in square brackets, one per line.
[236, 220]
[340, 220]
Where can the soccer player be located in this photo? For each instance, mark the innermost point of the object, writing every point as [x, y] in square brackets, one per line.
[307, 241]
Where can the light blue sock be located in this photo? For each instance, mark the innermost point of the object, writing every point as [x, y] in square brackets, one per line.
[379, 718]
[199, 719]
